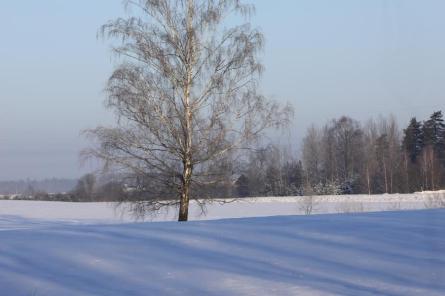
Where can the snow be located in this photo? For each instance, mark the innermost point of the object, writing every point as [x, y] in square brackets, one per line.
[387, 253]
[248, 207]
[51, 248]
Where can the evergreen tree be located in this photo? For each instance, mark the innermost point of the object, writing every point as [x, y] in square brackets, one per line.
[433, 154]
[273, 181]
[413, 140]
[293, 176]
[434, 132]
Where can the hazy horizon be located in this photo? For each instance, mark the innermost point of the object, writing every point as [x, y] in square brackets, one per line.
[356, 58]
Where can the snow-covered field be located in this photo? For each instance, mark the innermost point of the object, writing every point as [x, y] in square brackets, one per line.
[49, 248]
[242, 208]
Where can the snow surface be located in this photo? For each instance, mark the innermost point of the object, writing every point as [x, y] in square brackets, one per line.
[248, 207]
[386, 253]
[59, 248]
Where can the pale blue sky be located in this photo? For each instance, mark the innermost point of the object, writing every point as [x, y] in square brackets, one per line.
[360, 58]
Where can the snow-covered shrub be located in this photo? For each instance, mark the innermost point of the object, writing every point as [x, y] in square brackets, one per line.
[331, 188]
[293, 190]
[349, 186]
[308, 204]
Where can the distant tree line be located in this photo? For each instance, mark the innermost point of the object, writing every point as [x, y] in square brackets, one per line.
[53, 185]
[377, 157]
[343, 156]
[88, 188]
[347, 157]
[270, 172]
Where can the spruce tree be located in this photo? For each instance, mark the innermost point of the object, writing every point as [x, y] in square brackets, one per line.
[293, 177]
[434, 132]
[413, 139]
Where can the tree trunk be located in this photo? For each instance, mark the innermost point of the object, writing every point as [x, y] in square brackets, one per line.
[184, 206]
[432, 157]
[187, 154]
[425, 172]
[391, 182]
[406, 172]
[368, 179]
[185, 192]
[386, 176]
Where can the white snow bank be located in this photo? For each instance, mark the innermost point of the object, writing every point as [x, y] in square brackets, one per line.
[249, 207]
[390, 253]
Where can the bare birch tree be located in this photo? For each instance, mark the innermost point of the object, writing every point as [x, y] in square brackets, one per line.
[371, 164]
[389, 128]
[185, 93]
[312, 155]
